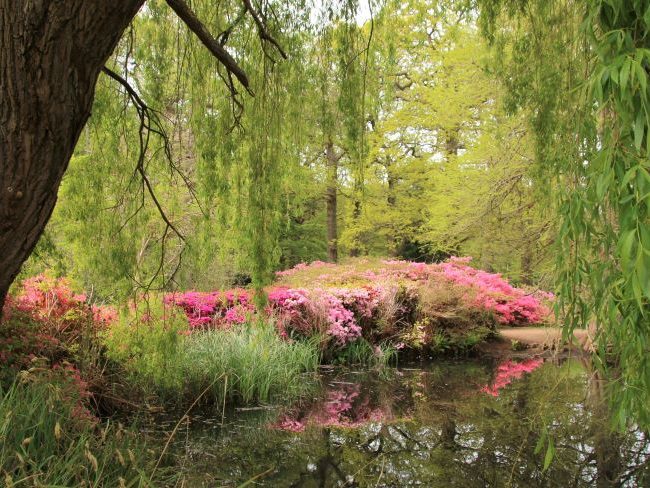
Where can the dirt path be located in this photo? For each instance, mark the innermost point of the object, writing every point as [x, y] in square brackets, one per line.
[545, 337]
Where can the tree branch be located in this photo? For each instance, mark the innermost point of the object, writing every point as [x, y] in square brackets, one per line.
[144, 114]
[195, 25]
[261, 28]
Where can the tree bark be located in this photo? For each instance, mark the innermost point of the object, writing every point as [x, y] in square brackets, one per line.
[331, 198]
[51, 54]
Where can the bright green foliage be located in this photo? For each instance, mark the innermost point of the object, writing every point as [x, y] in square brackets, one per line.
[587, 92]
[405, 100]
[447, 170]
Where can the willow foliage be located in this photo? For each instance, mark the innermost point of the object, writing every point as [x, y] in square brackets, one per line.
[228, 171]
[586, 86]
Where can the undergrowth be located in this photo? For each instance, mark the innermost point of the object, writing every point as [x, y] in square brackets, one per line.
[45, 442]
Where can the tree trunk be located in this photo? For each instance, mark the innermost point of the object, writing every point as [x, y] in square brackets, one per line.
[331, 195]
[393, 241]
[51, 53]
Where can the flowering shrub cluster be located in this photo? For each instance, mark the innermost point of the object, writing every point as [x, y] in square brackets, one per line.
[482, 290]
[43, 326]
[51, 301]
[416, 305]
[308, 312]
[215, 309]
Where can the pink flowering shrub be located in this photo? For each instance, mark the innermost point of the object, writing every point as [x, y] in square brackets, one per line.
[45, 318]
[418, 305]
[480, 289]
[213, 309]
[47, 328]
[490, 291]
[308, 312]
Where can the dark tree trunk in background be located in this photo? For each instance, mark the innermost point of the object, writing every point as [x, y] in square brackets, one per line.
[527, 263]
[331, 198]
[393, 242]
[356, 215]
[51, 53]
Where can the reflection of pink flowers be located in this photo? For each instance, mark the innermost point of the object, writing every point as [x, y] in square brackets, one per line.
[344, 406]
[509, 371]
[290, 425]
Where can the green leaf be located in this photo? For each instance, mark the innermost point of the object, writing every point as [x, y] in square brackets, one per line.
[540, 441]
[642, 77]
[550, 454]
[625, 247]
[643, 274]
[631, 173]
[639, 126]
[625, 74]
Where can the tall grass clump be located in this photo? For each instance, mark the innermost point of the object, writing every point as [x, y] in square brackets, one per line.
[363, 353]
[247, 363]
[250, 365]
[45, 440]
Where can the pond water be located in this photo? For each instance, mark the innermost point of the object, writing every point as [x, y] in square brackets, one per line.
[468, 424]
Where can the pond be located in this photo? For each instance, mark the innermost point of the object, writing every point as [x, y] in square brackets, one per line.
[469, 424]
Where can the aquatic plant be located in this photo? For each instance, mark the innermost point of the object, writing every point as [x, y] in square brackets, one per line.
[241, 363]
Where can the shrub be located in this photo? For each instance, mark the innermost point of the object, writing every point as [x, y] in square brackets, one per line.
[46, 321]
[440, 307]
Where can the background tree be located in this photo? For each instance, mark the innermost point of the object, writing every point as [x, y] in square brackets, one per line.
[52, 54]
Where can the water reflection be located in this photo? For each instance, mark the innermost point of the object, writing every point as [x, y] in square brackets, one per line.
[453, 424]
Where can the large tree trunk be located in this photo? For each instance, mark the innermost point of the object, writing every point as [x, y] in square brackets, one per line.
[51, 53]
[331, 197]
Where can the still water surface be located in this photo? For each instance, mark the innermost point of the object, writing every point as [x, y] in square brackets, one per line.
[448, 424]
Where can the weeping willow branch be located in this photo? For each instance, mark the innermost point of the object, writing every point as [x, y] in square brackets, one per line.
[148, 124]
[261, 28]
[217, 50]
[225, 35]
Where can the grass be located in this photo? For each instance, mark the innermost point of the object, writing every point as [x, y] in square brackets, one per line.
[45, 442]
[248, 364]
[363, 353]
[252, 365]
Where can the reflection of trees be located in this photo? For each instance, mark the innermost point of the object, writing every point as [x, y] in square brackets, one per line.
[439, 430]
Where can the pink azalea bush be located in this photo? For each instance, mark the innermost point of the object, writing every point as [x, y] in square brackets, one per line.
[46, 327]
[412, 304]
[482, 290]
[219, 309]
[44, 317]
